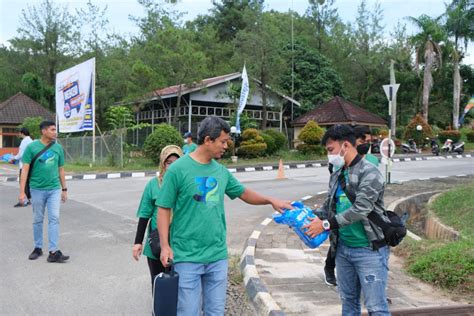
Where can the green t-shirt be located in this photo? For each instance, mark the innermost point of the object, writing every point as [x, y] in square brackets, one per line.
[149, 209]
[195, 192]
[189, 148]
[352, 235]
[371, 158]
[45, 174]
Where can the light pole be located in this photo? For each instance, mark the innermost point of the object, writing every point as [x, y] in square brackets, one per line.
[419, 128]
[233, 134]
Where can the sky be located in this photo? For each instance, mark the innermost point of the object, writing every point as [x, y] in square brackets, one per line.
[118, 12]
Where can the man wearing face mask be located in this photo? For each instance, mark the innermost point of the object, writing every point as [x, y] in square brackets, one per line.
[360, 250]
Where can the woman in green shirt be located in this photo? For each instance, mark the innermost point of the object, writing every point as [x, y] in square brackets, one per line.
[147, 211]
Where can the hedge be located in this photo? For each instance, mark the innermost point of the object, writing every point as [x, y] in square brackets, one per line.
[163, 135]
[271, 144]
[311, 134]
[311, 149]
[454, 135]
[280, 138]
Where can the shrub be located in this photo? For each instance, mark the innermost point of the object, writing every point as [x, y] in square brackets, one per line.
[400, 132]
[230, 149]
[412, 132]
[308, 149]
[252, 145]
[32, 124]
[383, 133]
[311, 134]
[163, 135]
[451, 134]
[470, 136]
[271, 145]
[280, 138]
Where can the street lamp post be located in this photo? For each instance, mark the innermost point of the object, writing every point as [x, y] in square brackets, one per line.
[233, 134]
[419, 128]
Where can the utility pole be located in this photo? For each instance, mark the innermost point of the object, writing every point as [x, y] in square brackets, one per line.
[393, 113]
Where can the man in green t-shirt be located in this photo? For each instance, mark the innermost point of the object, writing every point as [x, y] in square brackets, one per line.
[194, 188]
[189, 146]
[47, 186]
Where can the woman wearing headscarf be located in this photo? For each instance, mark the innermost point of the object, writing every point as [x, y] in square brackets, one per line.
[147, 211]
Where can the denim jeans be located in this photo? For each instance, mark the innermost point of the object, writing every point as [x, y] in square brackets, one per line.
[362, 269]
[40, 200]
[202, 283]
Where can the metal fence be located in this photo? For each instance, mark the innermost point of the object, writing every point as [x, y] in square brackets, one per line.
[108, 149]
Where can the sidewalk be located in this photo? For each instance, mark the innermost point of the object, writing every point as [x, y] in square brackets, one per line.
[294, 278]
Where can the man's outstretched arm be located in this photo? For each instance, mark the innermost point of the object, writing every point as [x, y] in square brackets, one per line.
[251, 197]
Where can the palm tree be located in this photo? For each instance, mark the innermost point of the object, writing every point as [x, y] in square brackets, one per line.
[428, 52]
[460, 26]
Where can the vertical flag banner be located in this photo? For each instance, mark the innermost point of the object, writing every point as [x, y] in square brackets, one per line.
[75, 98]
[468, 107]
[244, 93]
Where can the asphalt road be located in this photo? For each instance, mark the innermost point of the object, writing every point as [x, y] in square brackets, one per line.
[97, 229]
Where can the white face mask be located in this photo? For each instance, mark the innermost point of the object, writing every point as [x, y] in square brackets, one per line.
[337, 160]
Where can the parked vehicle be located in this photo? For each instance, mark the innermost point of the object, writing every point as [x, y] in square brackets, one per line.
[410, 147]
[451, 147]
[434, 147]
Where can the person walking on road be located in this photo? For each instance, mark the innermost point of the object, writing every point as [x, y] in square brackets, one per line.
[360, 249]
[25, 141]
[194, 188]
[147, 211]
[47, 182]
[189, 146]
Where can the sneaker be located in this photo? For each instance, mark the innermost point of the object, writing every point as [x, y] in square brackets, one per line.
[330, 277]
[37, 252]
[57, 257]
[21, 205]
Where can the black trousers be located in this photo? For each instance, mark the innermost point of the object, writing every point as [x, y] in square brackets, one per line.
[330, 261]
[155, 267]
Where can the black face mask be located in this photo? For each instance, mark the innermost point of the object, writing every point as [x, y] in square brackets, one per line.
[363, 149]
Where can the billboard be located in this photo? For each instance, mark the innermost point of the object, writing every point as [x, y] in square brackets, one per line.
[75, 98]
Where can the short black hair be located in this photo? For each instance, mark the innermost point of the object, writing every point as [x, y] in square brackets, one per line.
[339, 132]
[25, 131]
[211, 126]
[46, 124]
[360, 131]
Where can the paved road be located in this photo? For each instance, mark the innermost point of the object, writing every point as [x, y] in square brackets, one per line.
[98, 225]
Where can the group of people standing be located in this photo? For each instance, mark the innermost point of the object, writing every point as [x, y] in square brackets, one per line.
[185, 203]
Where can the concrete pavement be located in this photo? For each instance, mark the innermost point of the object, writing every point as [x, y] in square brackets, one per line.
[284, 277]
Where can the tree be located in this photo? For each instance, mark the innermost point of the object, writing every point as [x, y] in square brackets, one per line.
[261, 46]
[459, 25]
[428, 52]
[323, 16]
[118, 117]
[46, 33]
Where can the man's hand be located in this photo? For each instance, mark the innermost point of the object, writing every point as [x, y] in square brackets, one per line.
[166, 255]
[314, 228]
[64, 196]
[137, 251]
[22, 198]
[280, 205]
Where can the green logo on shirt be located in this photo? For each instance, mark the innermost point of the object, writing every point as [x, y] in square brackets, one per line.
[207, 187]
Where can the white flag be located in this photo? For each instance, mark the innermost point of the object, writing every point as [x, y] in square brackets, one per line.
[244, 93]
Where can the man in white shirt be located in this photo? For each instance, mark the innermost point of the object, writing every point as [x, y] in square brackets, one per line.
[26, 140]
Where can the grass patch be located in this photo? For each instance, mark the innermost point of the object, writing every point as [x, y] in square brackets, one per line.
[449, 265]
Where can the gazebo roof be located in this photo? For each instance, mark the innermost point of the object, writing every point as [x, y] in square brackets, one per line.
[339, 111]
[18, 107]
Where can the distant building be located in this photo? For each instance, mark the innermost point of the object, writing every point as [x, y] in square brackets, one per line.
[337, 111]
[12, 113]
[211, 97]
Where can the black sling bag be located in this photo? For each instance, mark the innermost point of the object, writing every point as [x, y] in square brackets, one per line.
[30, 171]
[394, 232]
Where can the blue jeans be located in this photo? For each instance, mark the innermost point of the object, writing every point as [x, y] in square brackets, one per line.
[206, 280]
[40, 200]
[362, 269]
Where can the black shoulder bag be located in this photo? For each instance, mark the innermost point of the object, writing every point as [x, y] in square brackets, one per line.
[30, 171]
[394, 232]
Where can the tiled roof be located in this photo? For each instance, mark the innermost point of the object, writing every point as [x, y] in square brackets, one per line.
[18, 107]
[339, 111]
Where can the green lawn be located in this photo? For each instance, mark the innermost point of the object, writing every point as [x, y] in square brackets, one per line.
[449, 265]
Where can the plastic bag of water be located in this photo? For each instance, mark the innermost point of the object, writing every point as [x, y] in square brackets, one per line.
[298, 218]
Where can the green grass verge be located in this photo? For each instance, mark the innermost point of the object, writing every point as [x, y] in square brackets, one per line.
[449, 265]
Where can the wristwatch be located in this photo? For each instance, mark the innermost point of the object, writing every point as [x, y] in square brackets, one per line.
[326, 225]
[64, 189]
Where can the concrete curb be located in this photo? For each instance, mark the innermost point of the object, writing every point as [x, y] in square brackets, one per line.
[318, 164]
